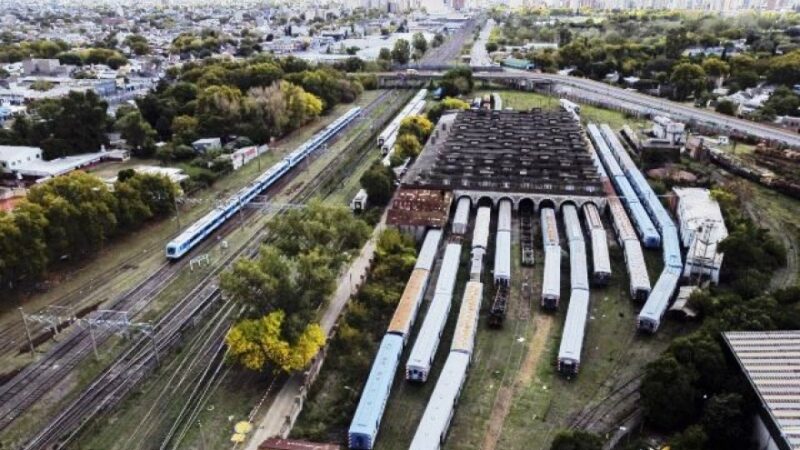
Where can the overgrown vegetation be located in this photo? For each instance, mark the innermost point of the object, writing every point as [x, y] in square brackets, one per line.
[71, 217]
[686, 54]
[693, 390]
[281, 289]
[334, 396]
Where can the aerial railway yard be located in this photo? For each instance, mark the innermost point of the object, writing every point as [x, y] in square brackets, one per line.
[512, 395]
[111, 385]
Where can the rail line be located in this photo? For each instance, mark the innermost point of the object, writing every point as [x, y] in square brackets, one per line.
[117, 380]
[588, 418]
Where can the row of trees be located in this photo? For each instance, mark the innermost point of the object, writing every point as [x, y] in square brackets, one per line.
[651, 47]
[693, 389]
[71, 217]
[334, 396]
[282, 288]
[261, 98]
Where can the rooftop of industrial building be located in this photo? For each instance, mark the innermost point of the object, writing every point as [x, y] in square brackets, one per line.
[536, 151]
[770, 362]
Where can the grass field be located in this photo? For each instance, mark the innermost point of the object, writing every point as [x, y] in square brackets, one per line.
[514, 399]
[521, 100]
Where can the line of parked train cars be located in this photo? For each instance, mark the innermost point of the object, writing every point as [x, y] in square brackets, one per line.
[569, 352]
[502, 246]
[644, 225]
[650, 316]
[480, 242]
[551, 283]
[638, 278]
[367, 419]
[601, 262]
[388, 136]
[432, 429]
[419, 362]
[206, 225]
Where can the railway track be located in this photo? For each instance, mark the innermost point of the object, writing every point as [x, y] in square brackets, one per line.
[117, 380]
[604, 413]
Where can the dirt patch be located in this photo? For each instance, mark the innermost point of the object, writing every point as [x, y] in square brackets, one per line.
[505, 395]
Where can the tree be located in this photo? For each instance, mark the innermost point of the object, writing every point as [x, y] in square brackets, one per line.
[692, 438]
[408, 146]
[137, 133]
[454, 103]
[377, 181]
[401, 53]
[260, 285]
[385, 54]
[184, 129]
[257, 344]
[783, 101]
[725, 421]
[419, 43]
[689, 79]
[491, 47]
[716, 68]
[784, 69]
[79, 210]
[576, 440]
[219, 110]
[457, 81]
[668, 395]
[416, 125]
[73, 124]
[438, 39]
[726, 107]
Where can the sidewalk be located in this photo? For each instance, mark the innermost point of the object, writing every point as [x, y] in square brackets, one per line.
[288, 401]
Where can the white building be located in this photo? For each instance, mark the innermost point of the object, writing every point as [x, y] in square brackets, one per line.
[702, 227]
[666, 128]
[12, 158]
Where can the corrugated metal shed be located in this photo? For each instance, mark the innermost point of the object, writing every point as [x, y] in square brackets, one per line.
[369, 412]
[461, 217]
[480, 234]
[569, 352]
[504, 216]
[467, 324]
[502, 257]
[407, 308]
[432, 428]
[427, 254]
[770, 362]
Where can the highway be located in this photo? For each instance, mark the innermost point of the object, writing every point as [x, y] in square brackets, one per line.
[479, 57]
[616, 96]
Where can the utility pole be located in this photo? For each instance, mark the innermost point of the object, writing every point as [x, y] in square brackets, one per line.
[177, 212]
[27, 332]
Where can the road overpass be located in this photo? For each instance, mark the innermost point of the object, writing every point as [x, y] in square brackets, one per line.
[604, 94]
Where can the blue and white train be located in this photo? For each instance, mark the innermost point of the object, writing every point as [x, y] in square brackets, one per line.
[206, 225]
[644, 225]
[367, 419]
[649, 318]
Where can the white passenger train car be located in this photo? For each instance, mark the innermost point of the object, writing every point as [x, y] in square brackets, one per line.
[422, 354]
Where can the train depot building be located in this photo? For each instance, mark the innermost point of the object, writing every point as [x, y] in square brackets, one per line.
[537, 155]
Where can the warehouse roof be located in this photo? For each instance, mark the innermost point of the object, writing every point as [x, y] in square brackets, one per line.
[536, 151]
[771, 363]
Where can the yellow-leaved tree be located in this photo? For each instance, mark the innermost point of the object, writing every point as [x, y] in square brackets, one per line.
[257, 344]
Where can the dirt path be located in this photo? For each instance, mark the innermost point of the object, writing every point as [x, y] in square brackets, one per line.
[784, 276]
[505, 395]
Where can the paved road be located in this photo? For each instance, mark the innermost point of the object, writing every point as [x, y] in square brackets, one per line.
[613, 95]
[479, 57]
[285, 402]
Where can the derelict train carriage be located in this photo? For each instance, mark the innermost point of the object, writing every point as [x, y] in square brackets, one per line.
[551, 284]
[209, 223]
[367, 419]
[419, 362]
[569, 352]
